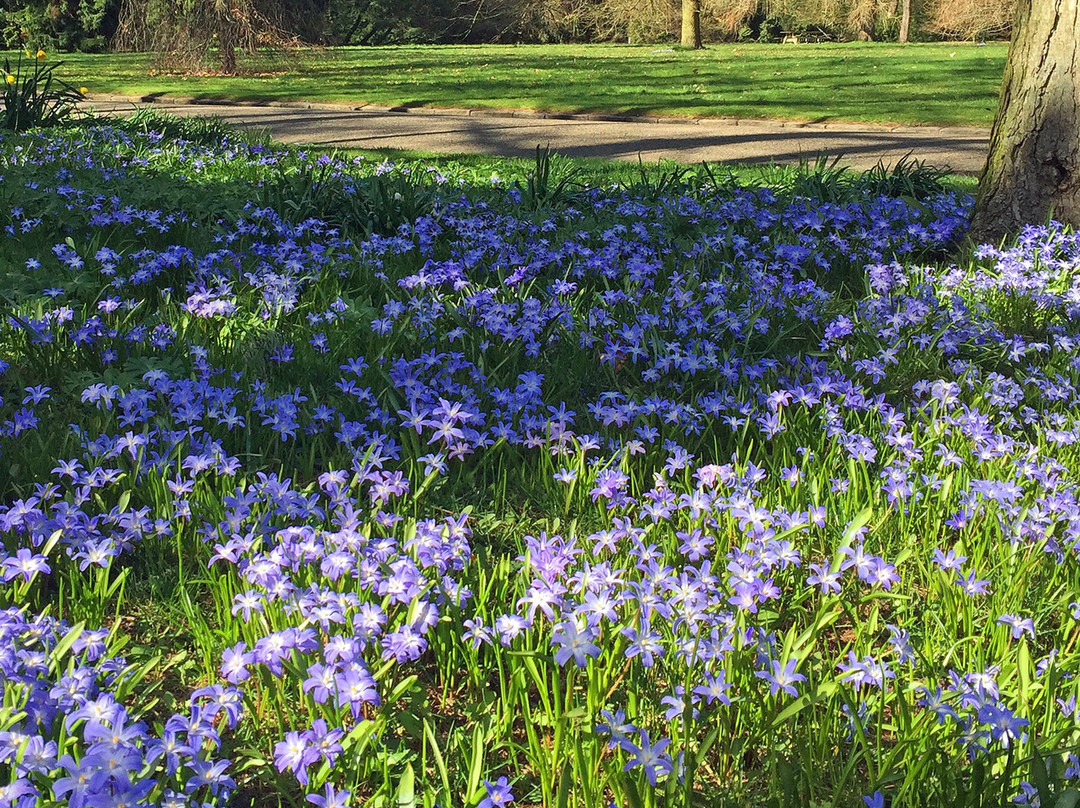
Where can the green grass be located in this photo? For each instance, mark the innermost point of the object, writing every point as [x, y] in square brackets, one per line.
[940, 83]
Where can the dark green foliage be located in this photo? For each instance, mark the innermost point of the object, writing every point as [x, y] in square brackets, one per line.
[65, 25]
[357, 206]
[829, 181]
[543, 189]
[908, 178]
[203, 131]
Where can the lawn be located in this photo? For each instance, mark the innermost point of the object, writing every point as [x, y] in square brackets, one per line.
[941, 83]
[344, 481]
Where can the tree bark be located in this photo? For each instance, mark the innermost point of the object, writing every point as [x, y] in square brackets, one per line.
[1033, 169]
[905, 20]
[225, 23]
[691, 24]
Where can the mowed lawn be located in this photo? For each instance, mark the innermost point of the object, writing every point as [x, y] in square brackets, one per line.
[939, 83]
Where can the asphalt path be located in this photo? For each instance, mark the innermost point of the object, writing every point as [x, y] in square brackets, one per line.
[512, 133]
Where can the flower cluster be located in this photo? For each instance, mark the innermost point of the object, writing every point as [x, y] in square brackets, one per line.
[662, 484]
[66, 734]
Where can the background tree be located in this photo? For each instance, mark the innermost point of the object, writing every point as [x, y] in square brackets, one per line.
[193, 34]
[1033, 168]
[85, 25]
[691, 23]
[905, 21]
[969, 19]
[175, 26]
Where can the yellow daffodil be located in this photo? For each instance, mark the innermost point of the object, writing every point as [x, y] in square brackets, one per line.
[83, 90]
[10, 79]
[40, 55]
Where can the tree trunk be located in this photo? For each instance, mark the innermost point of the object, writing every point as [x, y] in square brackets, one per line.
[1033, 169]
[225, 22]
[228, 55]
[691, 24]
[905, 20]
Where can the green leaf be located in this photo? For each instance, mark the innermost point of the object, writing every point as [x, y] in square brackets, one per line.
[406, 791]
[1039, 777]
[401, 688]
[440, 763]
[51, 543]
[360, 736]
[707, 744]
[862, 518]
[250, 758]
[476, 767]
[562, 798]
[64, 645]
[630, 790]
[1023, 669]
[1069, 798]
[823, 692]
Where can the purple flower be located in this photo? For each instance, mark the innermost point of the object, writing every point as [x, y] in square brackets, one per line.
[320, 682]
[25, 563]
[295, 753]
[211, 774]
[948, 562]
[80, 780]
[1003, 725]
[650, 757]
[170, 747]
[1019, 625]
[19, 793]
[714, 689]
[609, 482]
[403, 645]
[476, 633]
[234, 662]
[574, 643]
[973, 586]
[330, 798]
[676, 704]
[509, 626]
[326, 741]
[824, 577]
[782, 677]
[615, 726]
[646, 645]
[497, 794]
[356, 687]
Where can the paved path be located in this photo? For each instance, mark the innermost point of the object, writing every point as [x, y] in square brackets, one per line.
[512, 133]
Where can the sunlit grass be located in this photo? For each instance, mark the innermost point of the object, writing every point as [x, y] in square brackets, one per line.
[929, 83]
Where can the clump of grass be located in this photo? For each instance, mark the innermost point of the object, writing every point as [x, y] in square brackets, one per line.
[33, 96]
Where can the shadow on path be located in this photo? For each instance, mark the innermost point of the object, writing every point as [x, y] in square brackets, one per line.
[504, 134]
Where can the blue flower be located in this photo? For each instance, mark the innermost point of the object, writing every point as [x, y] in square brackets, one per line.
[875, 800]
[496, 794]
[782, 677]
[574, 642]
[651, 757]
